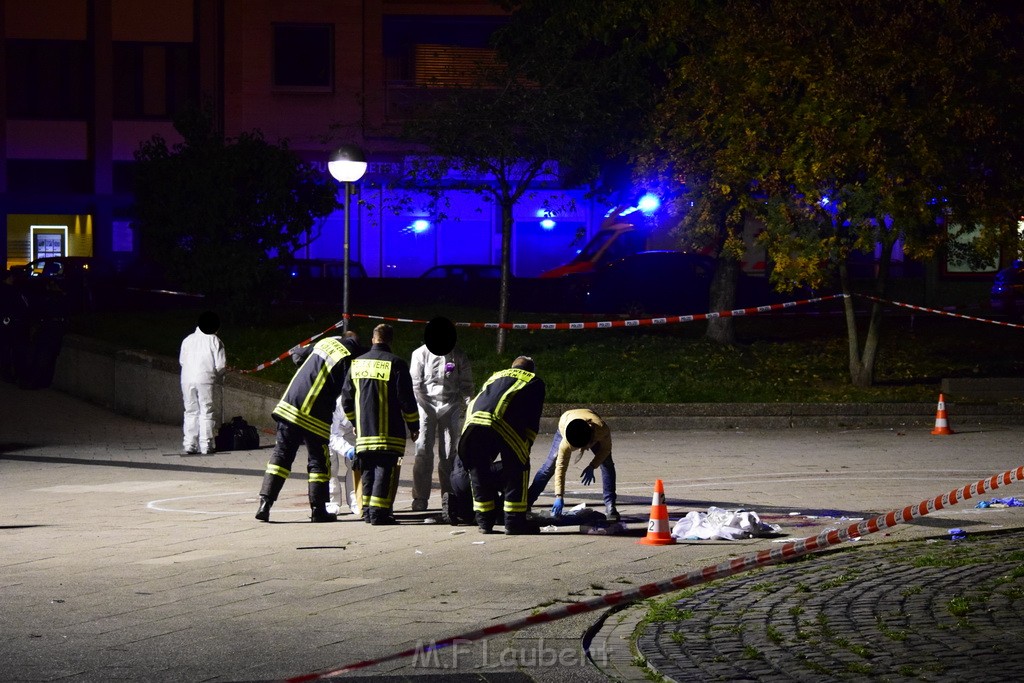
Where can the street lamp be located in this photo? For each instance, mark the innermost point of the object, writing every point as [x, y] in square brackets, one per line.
[347, 164]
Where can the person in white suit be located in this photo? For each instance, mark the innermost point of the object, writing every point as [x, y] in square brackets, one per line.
[203, 362]
[442, 381]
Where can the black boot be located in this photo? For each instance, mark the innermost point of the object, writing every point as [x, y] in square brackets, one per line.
[263, 513]
[516, 525]
[319, 495]
[382, 517]
[320, 514]
[485, 522]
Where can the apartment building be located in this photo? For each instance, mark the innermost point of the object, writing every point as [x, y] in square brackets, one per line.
[85, 81]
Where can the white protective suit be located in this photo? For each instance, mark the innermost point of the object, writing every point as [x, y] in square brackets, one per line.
[443, 385]
[342, 448]
[203, 362]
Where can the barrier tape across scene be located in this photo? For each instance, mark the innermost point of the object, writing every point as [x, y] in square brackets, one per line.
[730, 567]
[639, 322]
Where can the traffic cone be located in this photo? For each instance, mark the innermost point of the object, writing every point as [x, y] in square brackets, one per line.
[657, 527]
[941, 423]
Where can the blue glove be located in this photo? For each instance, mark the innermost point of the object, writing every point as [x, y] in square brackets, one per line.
[556, 507]
[588, 476]
[350, 453]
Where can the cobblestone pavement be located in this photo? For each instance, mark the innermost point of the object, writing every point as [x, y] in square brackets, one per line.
[935, 610]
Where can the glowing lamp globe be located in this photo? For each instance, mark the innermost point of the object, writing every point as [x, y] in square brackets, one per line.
[347, 164]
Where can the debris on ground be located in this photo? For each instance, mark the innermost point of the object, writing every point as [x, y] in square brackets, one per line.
[1000, 503]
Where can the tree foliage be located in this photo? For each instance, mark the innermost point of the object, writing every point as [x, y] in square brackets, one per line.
[840, 125]
[220, 214]
[850, 126]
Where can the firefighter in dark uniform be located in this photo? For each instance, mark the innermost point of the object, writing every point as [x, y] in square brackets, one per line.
[503, 420]
[304, 415]
[377, 399]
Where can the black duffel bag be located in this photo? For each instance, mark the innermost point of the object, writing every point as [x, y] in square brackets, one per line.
[237, 435]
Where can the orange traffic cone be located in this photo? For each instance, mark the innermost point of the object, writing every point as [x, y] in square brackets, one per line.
[941, 423]
[657, 527]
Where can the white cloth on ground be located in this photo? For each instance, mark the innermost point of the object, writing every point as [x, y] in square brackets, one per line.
[728, 525]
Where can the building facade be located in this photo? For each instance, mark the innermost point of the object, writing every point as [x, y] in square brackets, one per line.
[86, 81]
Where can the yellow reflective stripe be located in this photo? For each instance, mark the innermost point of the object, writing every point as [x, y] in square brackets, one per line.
[300, 419]
[380, 443]
[481, 418]
[336, 351]
[485, 506]
[319, 477]
[520, 447]
[411, 417]
[316, 387]
[520, 504]
[277, 471]
[521, 377]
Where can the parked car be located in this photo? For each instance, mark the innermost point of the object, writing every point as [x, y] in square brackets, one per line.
[465, 273]
[324, 269]
[464, 284]
[320, 279]
[1007, 295]
[616, 238]
[84, 281]
[654, 282]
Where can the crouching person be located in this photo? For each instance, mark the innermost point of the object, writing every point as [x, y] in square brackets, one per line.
[503, 421]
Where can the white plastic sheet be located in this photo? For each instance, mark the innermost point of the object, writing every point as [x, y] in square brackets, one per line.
[728, 525]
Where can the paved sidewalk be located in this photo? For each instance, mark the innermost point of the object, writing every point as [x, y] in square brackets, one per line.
[123, 560]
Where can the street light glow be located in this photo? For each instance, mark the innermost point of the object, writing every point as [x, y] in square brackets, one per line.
[347, 164]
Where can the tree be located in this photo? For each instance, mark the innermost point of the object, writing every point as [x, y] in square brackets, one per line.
[497, 137]
[626, 55]
[895, 120]
[841, 125]
[222, 214]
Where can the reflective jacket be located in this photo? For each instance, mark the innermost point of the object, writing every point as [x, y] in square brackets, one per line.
[311, 396]
[377, 398]
[510, 403]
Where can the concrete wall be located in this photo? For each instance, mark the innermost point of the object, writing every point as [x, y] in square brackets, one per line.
[147, 386]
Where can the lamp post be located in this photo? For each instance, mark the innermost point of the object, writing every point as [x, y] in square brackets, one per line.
[347, 164]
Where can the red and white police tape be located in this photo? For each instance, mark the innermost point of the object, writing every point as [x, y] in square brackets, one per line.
[736, 565]
[301, 344]
[639, 322]
[939, 311]
[602, 325]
